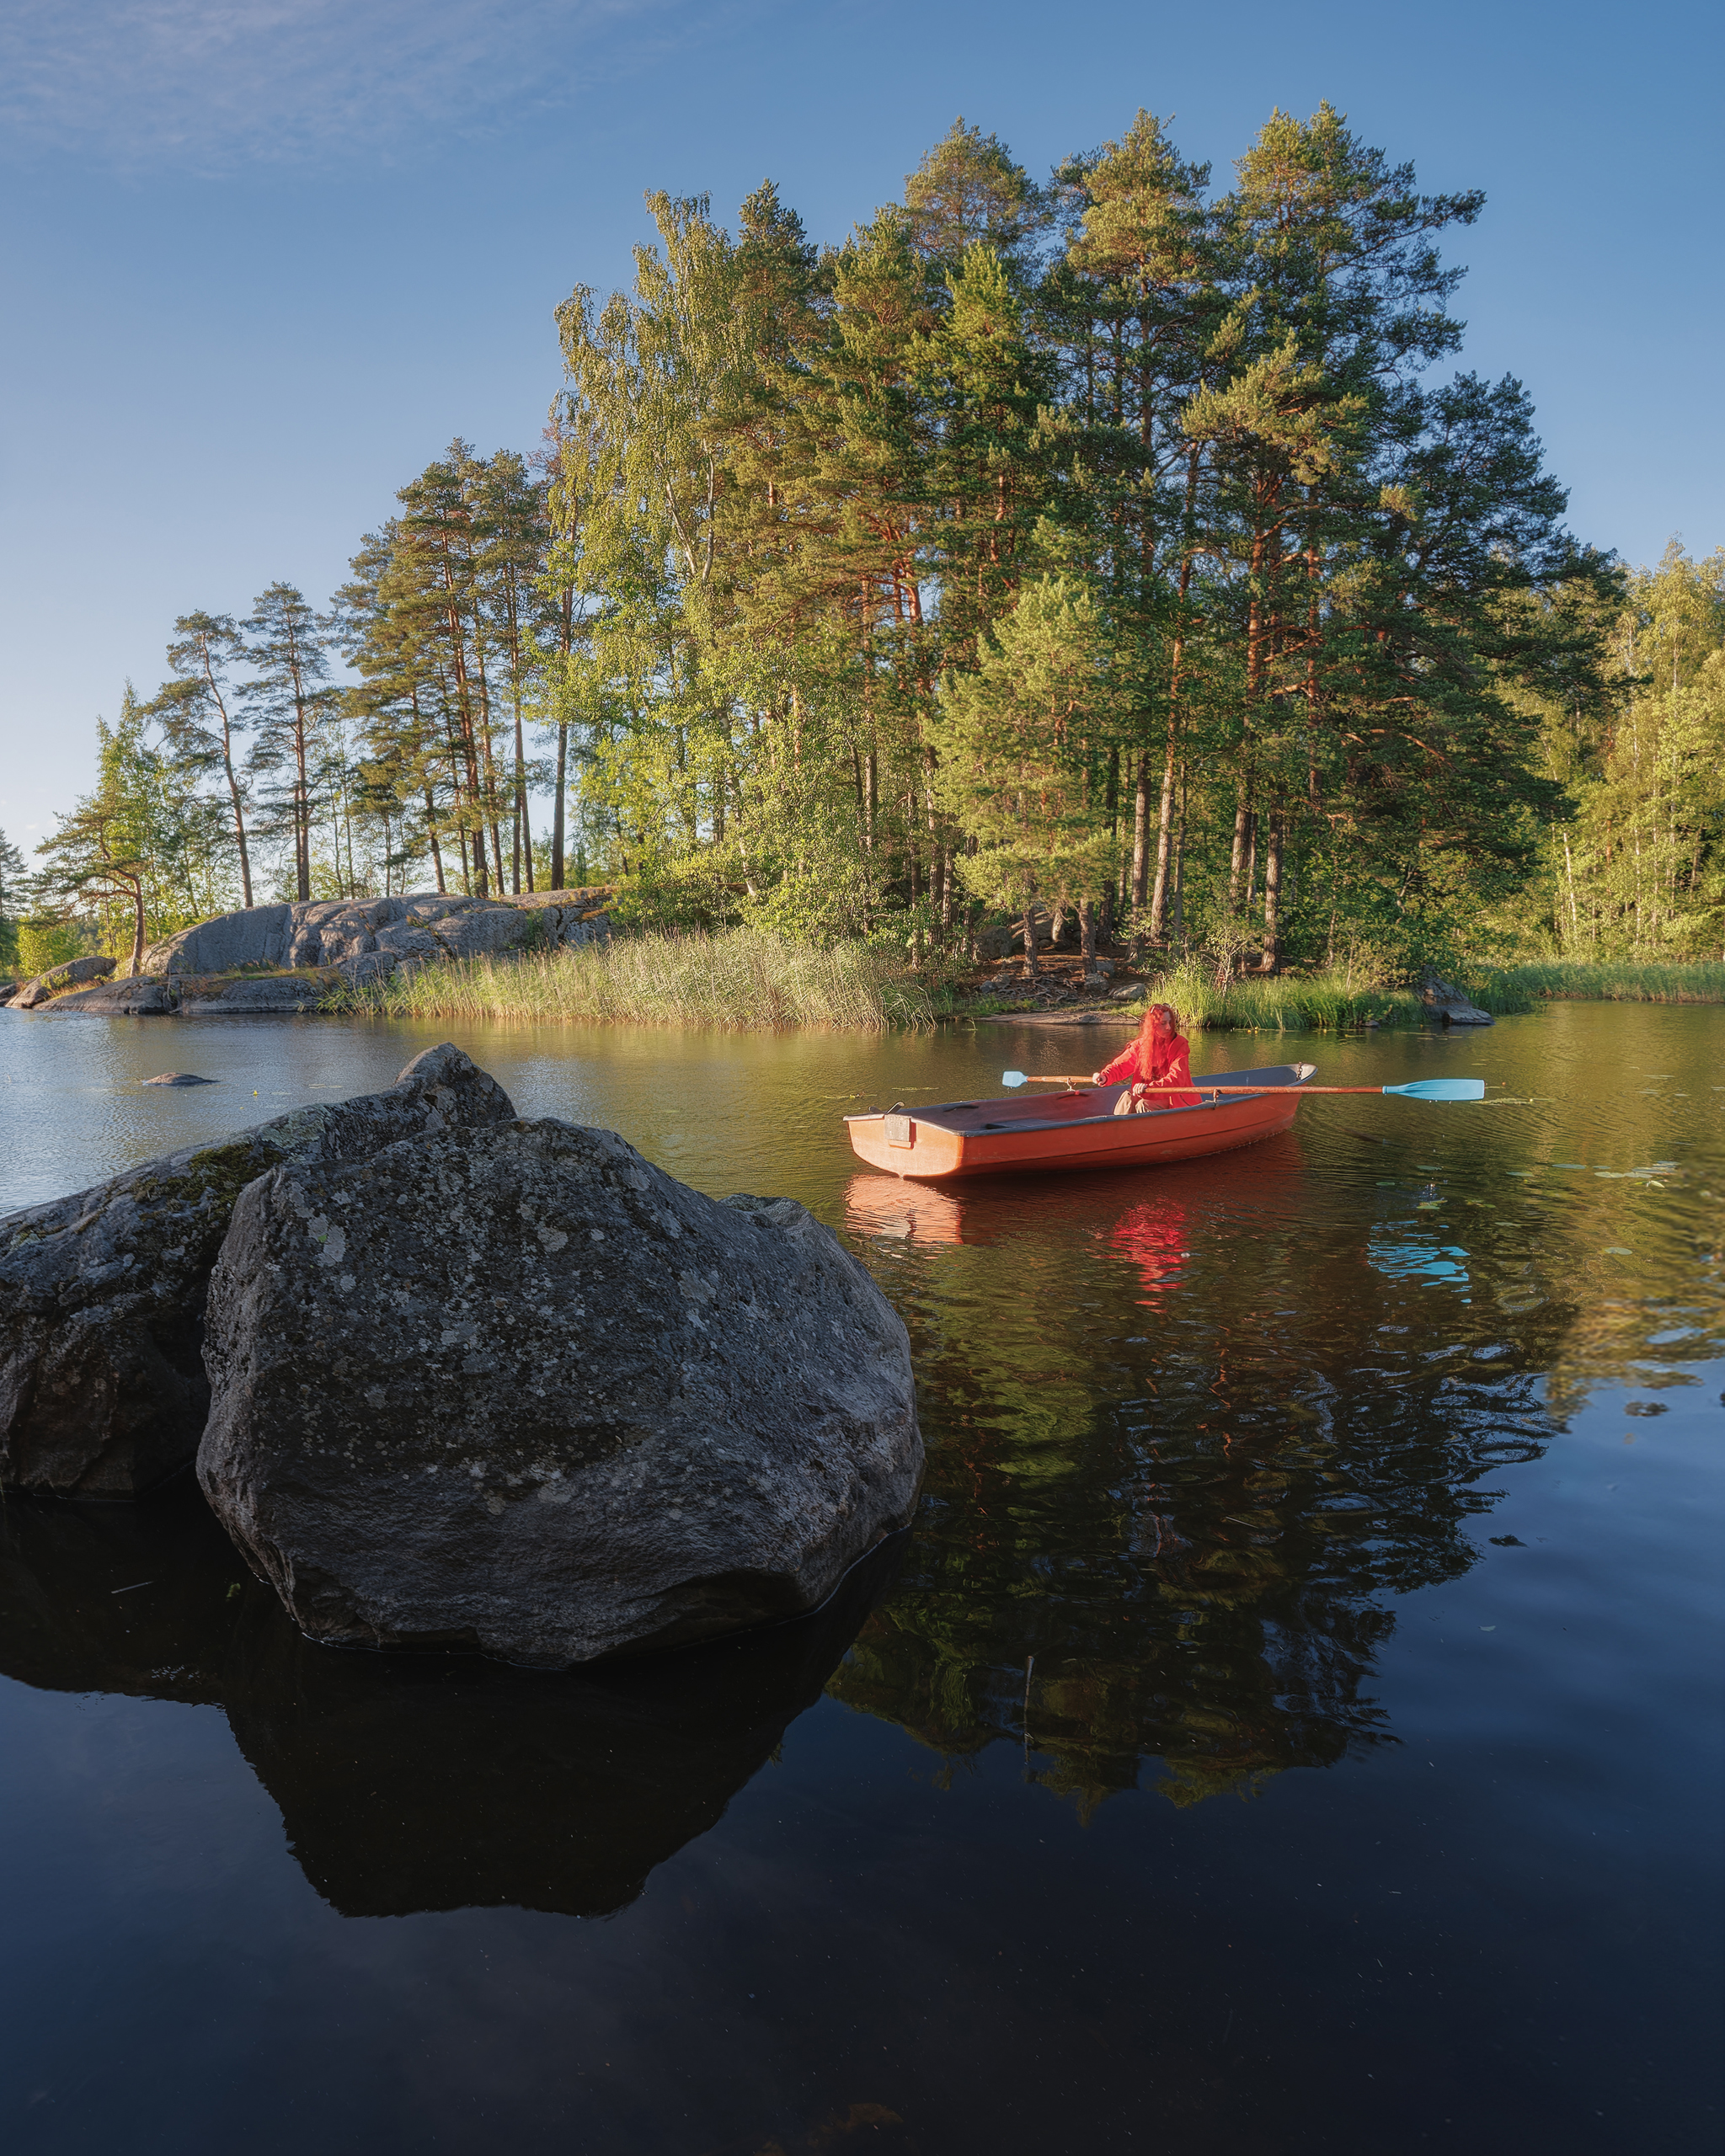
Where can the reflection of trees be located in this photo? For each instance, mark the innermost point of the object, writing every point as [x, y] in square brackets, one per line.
[1195, 1571]
[411, 1782]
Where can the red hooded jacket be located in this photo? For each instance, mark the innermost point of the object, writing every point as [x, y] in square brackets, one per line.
[1159, 1056]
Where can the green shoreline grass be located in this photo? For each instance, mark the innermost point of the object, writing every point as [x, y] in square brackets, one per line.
[1331, 1003]
[738, 979]
[743, 980]
[1618, 981]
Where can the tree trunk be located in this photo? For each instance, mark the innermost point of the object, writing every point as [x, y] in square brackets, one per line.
[1179, 903]
[436, 850]
[1236, 860]
[1140, 832]
[524, 829]
[1086, 933]
[1031, 972]
[1164, 845]
[557, 824]
[1273, 895]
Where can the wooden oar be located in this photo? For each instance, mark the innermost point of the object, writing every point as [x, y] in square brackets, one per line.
[1421, 1089]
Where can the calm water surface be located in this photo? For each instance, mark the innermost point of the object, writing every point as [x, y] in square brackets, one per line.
[1292, 1724]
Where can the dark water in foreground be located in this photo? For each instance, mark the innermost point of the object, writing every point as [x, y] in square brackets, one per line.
[1293, 1723]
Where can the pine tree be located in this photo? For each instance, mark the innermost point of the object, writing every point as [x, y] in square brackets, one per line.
[291, 697]
[197, 711]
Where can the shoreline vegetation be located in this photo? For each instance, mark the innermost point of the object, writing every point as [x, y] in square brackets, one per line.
[1122, 545]
[748, 979]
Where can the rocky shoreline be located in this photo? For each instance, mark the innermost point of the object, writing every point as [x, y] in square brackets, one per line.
[301, 957]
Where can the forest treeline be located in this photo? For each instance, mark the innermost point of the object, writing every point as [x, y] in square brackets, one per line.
[1124, 543]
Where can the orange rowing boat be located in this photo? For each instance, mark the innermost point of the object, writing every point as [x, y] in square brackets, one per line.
[1075, 1129]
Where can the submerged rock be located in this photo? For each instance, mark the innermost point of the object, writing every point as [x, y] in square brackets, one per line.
[517, 1390]
[102, 1384]
[178, 1078]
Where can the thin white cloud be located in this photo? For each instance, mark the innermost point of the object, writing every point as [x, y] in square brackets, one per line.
[210, 85]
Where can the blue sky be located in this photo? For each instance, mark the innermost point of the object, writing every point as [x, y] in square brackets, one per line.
[263, 259]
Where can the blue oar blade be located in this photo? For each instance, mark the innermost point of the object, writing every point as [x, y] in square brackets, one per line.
[1442, 1089]
[1013, 1078]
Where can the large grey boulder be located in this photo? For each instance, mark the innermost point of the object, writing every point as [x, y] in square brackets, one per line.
[354, 934]
[256, 935]
[102, 1384]
[519, 1391]
[58, 978]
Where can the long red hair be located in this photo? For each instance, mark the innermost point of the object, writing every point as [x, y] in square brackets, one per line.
[1161, 1028]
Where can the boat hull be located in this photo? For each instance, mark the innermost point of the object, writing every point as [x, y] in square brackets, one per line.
[1071, 1130]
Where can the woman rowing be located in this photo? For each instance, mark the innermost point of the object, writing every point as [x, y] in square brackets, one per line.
[1159, 1056]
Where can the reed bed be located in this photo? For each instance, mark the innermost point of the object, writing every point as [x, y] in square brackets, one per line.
[1326, 1003]
[738, 979]
[1517, 988]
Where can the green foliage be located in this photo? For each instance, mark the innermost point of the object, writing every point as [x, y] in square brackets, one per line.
[142, 853]
[45, 944]
[13, 900]
[1640, 872]
[1132, 539]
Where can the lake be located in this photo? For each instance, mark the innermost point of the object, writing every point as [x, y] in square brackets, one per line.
[1291, 1724]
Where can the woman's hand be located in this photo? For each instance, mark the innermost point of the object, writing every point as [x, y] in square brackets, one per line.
[1096, 1077]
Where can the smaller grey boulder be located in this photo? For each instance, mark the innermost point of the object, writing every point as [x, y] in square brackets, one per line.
[517, 1390]
[58, 978]
[1449, 1005]
[178, 1078]
[102, 1384]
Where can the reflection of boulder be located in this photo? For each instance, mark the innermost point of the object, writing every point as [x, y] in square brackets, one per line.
[407, 1782]
[139, 1598]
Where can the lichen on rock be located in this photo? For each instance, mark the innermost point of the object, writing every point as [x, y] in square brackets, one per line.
[102, 1384]
[517, 1390]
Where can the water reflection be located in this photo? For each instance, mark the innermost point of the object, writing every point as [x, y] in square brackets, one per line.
[1154, 1237]
[1175, 1491]
[1192, 1431]
[409, 1783]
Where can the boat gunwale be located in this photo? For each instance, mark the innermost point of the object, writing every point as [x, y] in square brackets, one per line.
[1029, 1123]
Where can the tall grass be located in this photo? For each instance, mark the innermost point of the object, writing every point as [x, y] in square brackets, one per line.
[1517, 988]
[737, 978]
[1315, 1003]
[1331, 1003]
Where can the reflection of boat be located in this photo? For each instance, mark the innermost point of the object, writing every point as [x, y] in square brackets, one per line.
[1157, 1238]
[1075, 1129]
[874, 1207]
[414, 1781]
